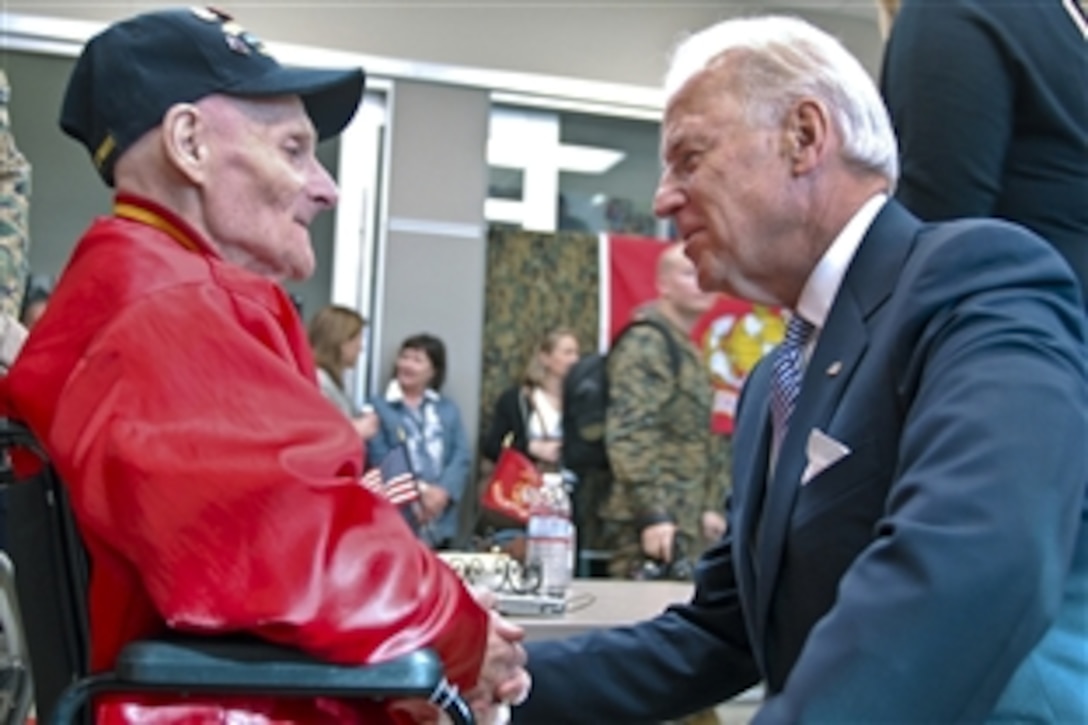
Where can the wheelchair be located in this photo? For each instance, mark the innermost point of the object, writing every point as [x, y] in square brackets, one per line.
[16, 686]
[51, 584]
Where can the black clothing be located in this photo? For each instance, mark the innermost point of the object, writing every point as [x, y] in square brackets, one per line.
[990, 102]
[512, 411]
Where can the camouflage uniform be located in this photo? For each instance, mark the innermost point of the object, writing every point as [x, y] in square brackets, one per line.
[666, 462]
[14, 210]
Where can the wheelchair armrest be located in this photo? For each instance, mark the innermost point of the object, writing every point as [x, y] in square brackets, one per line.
[224, 665]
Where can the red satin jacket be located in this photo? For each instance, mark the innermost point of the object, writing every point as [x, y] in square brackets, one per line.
[216, 489]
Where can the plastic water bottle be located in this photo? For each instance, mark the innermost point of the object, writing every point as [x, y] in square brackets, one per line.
[550, 545]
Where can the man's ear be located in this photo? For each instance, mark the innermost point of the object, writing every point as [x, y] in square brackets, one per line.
[184, 140]
[807, 131]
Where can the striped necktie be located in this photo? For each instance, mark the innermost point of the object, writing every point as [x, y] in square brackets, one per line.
[787, 370]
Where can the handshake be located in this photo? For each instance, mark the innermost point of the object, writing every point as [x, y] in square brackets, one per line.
[503, 681]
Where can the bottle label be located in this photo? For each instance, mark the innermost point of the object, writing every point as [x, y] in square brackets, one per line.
[550, 552]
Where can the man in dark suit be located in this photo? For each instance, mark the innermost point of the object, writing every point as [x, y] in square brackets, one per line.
[907, 529]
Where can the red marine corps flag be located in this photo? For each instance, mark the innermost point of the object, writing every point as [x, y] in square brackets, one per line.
[731, 337]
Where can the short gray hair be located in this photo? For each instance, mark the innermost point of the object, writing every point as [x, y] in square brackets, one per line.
[781, 60]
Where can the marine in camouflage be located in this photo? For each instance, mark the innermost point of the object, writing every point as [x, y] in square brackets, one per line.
[666, 462]
[14, 212]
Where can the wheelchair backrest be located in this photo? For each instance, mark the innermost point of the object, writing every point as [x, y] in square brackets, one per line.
[51, 571]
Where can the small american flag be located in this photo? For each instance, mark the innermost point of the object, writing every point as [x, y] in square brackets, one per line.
[393, 478]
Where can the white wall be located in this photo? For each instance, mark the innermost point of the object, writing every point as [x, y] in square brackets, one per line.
[594, 41]
[588, 40]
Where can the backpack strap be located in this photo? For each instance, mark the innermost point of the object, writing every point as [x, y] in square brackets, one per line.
[670, 343]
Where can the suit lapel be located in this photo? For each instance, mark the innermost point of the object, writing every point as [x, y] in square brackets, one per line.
[840, 347]
[842, 342]
[751, 444]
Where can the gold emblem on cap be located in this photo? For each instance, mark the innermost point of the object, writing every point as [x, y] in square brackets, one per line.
[834, 368]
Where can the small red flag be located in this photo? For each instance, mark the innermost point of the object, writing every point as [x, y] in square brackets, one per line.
[513, 484]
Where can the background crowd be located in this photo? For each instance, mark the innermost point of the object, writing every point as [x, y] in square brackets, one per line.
[893, 531]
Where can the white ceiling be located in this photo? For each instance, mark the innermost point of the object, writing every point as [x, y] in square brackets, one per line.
[624, 42]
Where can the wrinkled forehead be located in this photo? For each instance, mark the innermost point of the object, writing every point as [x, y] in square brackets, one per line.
[706, 100]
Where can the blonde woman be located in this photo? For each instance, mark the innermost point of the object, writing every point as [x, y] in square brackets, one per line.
[530, 413]
[336, 336]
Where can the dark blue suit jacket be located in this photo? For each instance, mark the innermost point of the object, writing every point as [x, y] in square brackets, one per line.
[913, 580]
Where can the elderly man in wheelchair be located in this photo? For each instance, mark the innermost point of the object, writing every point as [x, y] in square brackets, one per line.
[170, 387]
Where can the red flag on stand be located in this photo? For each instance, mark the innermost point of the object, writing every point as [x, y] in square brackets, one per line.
[630, 278]
[731, 337]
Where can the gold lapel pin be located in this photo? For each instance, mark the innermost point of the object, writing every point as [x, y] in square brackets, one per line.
[834, 368]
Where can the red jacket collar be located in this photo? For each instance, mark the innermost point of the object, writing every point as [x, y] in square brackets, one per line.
[144, 211]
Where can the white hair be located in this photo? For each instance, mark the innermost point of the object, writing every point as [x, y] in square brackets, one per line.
[780, 60]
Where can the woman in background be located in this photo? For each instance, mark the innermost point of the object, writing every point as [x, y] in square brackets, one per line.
[529, 415]
[529, 418]
[336, 336]
[415, 412]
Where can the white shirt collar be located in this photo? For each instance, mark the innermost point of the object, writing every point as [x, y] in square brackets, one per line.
[394, 394]
[823, 283]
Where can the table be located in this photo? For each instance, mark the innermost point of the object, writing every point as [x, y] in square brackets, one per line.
[602, 603]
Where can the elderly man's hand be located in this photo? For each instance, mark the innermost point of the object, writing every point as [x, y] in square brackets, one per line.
[503, 678]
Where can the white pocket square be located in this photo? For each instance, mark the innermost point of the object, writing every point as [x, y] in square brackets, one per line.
[822, 452]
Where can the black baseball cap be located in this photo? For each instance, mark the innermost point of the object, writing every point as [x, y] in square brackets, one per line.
[131, 73]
